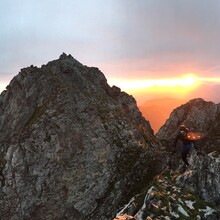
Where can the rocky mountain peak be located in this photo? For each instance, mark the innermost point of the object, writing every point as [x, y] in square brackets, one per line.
[63, 56]
[69, 59]
[197, 114]
[72, 147]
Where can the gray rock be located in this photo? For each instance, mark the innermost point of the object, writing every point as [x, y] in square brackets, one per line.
[181, 195]
[195, 193]
[71, 147]
[199, 116]
[206, 178]
[196, 114]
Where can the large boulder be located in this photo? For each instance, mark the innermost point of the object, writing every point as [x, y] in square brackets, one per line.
[206, 177]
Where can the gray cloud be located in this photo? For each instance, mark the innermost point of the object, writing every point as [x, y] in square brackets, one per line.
[174, 31]
[153, 37]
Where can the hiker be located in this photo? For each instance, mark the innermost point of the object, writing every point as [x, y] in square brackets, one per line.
[187, 143]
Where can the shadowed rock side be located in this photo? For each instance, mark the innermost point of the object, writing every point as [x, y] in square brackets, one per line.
[71, 147]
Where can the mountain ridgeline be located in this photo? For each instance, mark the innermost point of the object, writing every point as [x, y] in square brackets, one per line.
[72, 147]
[199, 116]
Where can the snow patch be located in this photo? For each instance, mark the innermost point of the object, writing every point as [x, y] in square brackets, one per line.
[174, 214]
[179, 200]
[189, 204]
[166, 217]
[208, 211]
[125, 207]
[180, 209]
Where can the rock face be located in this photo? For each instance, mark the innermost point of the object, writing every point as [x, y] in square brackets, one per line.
[193, 194]
[199, 116]
[71, 147]
[205, 180]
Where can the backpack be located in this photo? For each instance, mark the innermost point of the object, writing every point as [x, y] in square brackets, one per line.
[183, 135]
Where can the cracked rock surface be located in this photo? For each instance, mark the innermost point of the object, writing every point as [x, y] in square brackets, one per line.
[192, 194]
[71, 146]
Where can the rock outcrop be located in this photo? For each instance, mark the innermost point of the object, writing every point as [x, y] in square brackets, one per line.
[199, 116]
[205, 180]
[71, 146]
[193, 194]
[204, 117]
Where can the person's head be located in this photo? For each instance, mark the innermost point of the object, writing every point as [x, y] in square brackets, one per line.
[183, 128]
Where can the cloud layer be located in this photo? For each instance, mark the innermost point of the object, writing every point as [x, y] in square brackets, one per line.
[126, 38]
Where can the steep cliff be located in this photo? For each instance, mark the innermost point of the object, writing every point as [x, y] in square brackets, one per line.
[71, 146]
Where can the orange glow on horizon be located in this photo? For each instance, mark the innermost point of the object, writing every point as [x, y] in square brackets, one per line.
[210, 79]
[178, 85]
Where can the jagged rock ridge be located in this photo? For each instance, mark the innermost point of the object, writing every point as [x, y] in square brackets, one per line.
[172, 195]
[194, 194]
[72, 147]
[196, 114]
[199, 116]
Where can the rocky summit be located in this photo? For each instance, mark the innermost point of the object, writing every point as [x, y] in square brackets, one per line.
[71, 146]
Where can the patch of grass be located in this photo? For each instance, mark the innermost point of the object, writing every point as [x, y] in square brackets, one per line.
[167, 198]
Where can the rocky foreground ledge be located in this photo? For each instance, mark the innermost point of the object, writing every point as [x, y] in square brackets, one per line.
[193, 194]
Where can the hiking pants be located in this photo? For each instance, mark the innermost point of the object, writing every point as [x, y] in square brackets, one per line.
[185, 151]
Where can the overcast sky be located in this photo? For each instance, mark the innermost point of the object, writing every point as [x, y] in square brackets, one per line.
[124, 38]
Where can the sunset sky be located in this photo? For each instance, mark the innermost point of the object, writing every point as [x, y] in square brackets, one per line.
[149, 48]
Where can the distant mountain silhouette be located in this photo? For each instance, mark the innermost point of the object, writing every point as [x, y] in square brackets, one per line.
[157, 111]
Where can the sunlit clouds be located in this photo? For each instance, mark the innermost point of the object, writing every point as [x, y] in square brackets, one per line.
[186, 86]
[184, 82]
[210, 79]
[147, 48]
